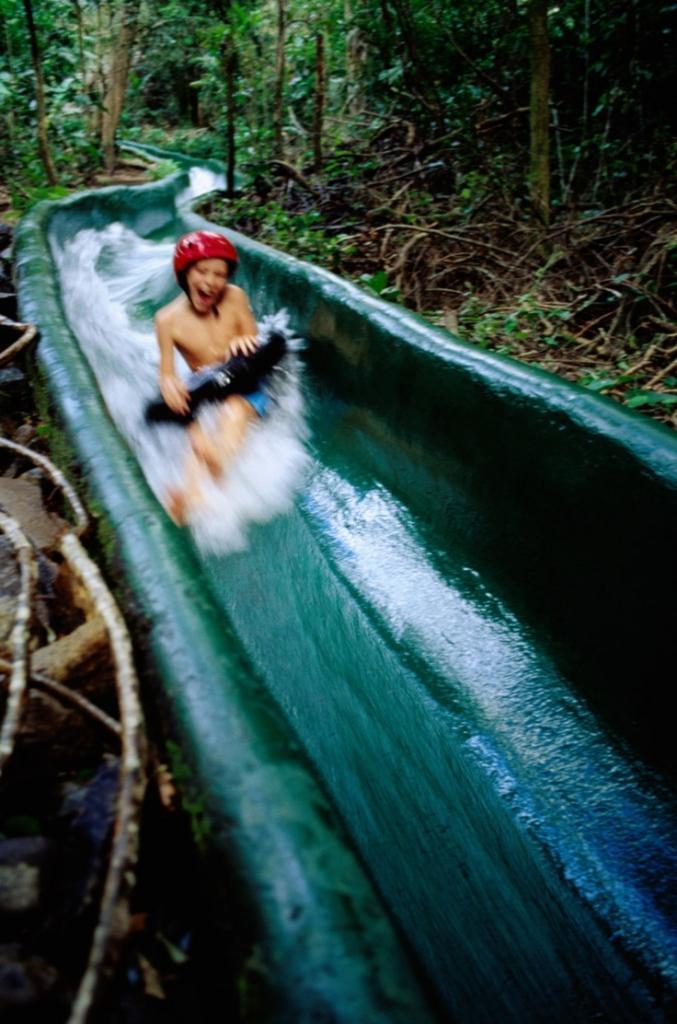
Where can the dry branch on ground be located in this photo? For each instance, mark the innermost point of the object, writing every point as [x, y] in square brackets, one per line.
[591, 298]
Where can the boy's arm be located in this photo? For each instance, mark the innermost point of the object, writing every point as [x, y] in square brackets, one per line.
[172, 389]
[245, 341]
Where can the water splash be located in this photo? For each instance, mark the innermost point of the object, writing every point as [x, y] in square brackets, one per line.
[112, 281]
[202, 181]
[606, 821]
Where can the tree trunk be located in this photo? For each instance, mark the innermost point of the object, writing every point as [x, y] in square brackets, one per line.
[318, 112]
[356, 56]
[81, 46]
[539, 116]
[279, 80]
[124, 32]
[43, 142]
[98, 86]
[229, 64]
[385, 37]
[416, 74]
[10, 65]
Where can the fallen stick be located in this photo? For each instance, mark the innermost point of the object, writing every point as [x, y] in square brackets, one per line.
[445, 234]
[19, 638]
[29, 332]
[295, 175]
[60, 659]
[39, 681]
[114, 914]
[662, 373]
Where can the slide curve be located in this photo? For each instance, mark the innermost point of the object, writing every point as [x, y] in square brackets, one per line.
[421, 701]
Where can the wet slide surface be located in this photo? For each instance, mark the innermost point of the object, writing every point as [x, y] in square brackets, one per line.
[504, 825]
[433, 651]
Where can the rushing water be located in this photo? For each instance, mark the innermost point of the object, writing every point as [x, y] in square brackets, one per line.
[529, 858]
[112, 281]
[523, 850]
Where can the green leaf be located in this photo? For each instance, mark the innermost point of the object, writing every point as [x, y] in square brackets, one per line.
[22, 825]
[176, 954]
[377, 282]
[601, 385]
[641, 398]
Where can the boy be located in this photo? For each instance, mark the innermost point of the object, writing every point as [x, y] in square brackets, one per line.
[208, 324]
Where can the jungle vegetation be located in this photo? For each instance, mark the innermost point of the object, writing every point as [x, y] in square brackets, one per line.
[502, 168]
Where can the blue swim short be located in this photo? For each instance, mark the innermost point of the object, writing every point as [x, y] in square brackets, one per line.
[259, 400]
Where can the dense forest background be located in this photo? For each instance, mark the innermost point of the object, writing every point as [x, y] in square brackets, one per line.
[501, 168]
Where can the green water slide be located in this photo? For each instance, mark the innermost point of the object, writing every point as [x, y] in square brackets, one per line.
[424, 709]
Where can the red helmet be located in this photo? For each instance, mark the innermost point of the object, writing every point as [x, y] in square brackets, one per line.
[202, 245]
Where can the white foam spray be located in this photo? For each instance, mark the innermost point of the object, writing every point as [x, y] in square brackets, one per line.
[111, 281]
[201, 181]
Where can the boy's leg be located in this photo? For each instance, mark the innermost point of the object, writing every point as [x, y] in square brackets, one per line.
[204, 448]
[181, 499]
[217, 449]
[235, 417]
[211, 453]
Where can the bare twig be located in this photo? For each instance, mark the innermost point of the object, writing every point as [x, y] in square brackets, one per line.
[112, 926]
[67, 696]
[666, 328]
[445, 234]
[114, 913]
[19, 638]
[82, 649]
[398, 265]
[411, 173]
[662, 373]
[295, 175]
[29, 331]
[646, 358]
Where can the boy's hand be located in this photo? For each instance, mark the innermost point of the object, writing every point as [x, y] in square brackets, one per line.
[175, 393]
[244, 345]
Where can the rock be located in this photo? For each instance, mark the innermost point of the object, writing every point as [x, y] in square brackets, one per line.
[44, 600]
[72, 595]
[9, 583]
[25, 434]
[30, 988]
[89, 811]
[25, 865]
[47, 574]
[7, 606]
[9, 574]
[22, 499]
[8, 305]
[12, 467]
[53, 736]
[54, 739]
[11, 375]
[53, 732]
[36, 473]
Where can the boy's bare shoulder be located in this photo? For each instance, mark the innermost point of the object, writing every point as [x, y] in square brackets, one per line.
[170, 313]
[234, 296]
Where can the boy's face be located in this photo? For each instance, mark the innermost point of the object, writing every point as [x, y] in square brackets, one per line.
[206, 281]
